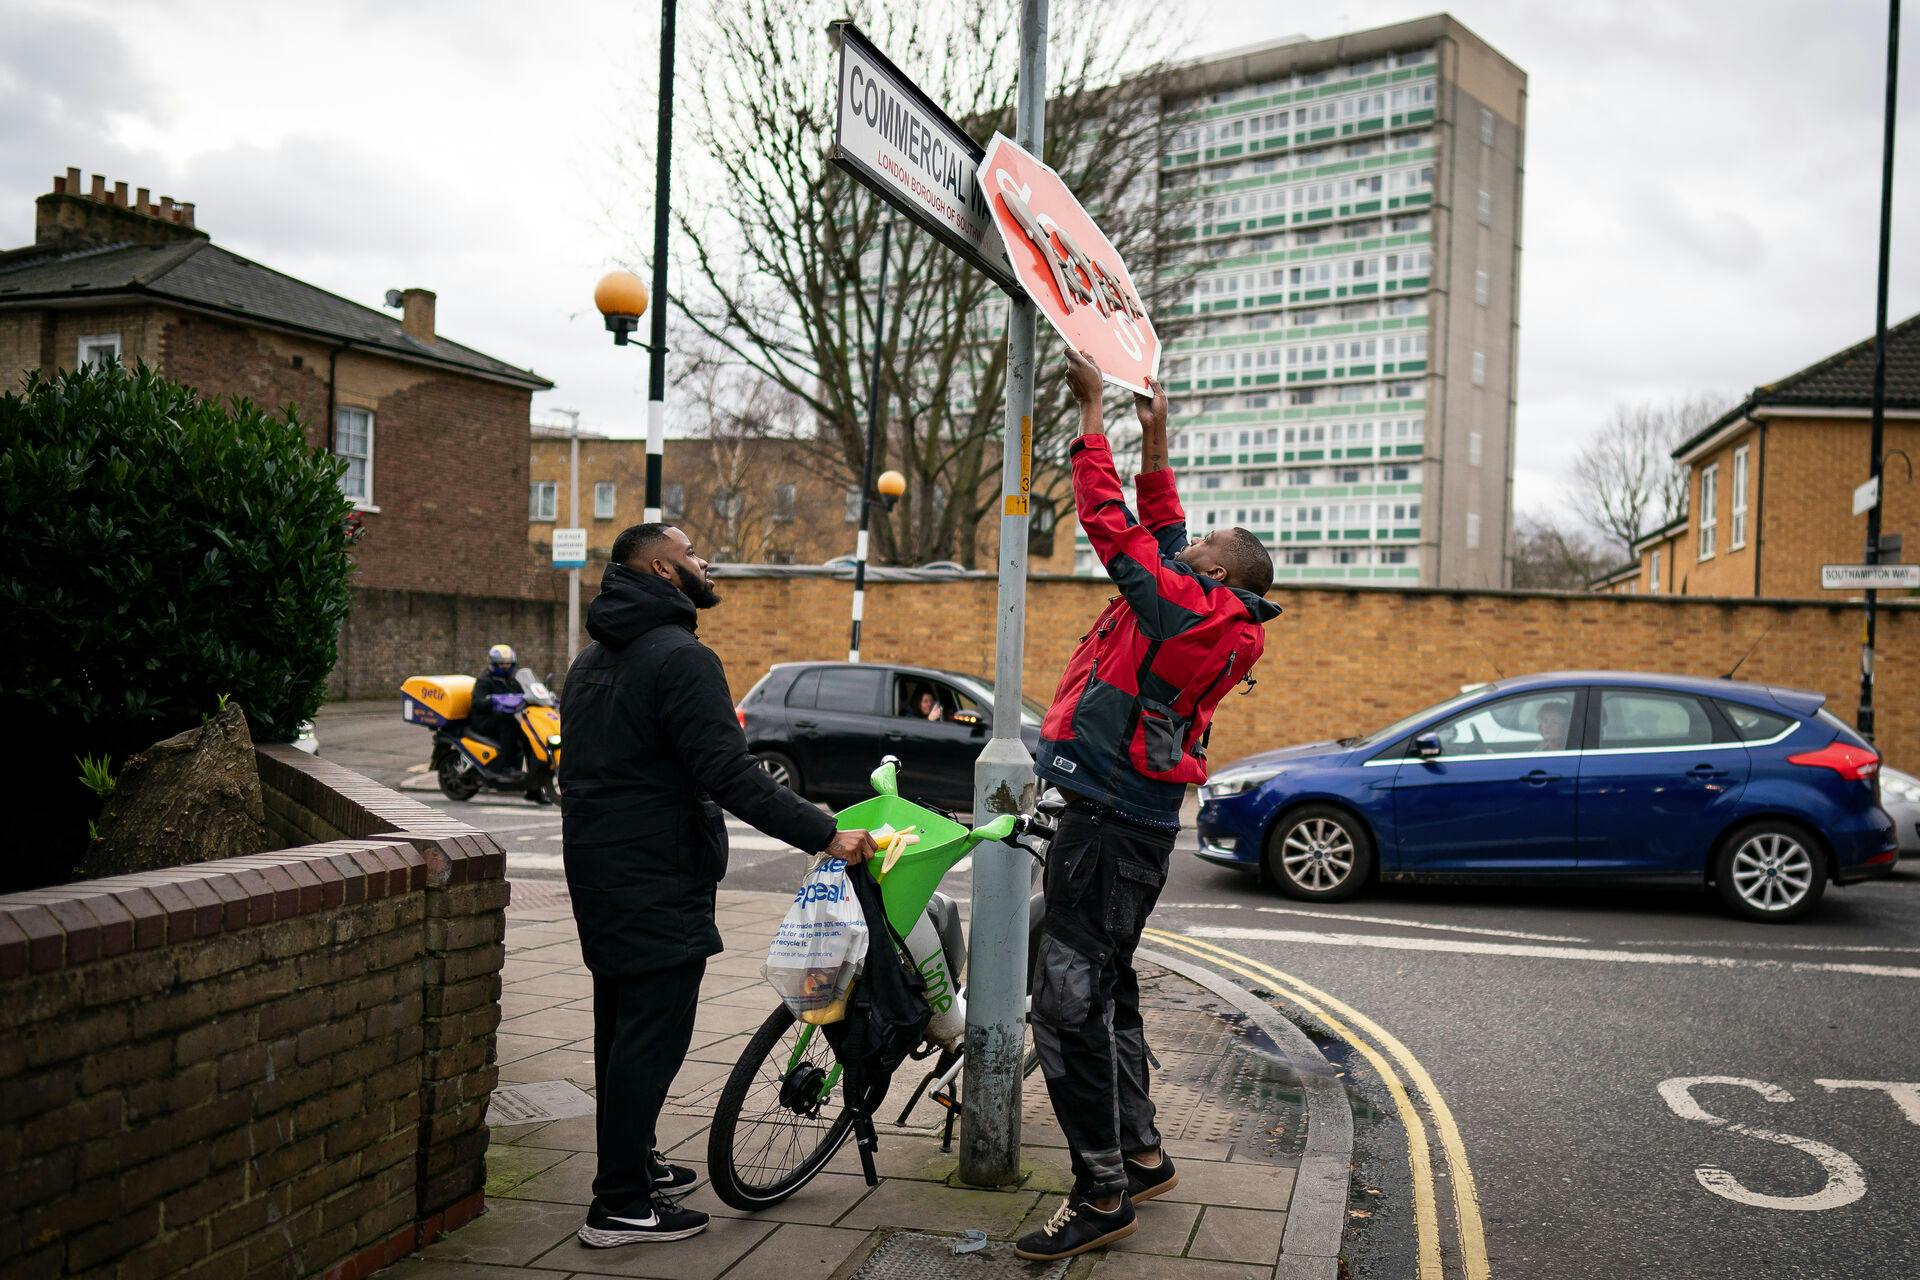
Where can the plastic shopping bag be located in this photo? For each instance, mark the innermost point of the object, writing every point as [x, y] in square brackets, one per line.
[820, 946]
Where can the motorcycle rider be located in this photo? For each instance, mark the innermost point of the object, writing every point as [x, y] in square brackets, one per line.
[498, 726]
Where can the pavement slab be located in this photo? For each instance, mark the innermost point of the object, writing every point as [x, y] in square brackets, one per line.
[1235, 1207]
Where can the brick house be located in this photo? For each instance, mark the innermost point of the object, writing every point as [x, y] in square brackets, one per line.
[1770, 482]
[754, 501]
[434, 431]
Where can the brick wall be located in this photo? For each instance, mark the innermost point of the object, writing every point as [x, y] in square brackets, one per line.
[1346, 661]
[390, 635]
[275, 1065]
[1812, 468]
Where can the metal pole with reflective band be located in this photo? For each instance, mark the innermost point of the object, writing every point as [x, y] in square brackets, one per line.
[657, 363]
[873, 439]
[1003, 777]
[1878, 446]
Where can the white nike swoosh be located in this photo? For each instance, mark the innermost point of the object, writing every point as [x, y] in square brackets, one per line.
[650, 1221]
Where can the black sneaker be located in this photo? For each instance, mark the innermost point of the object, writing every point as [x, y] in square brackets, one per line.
[662, 1220]
[673, 1179]
[1144, 1182]
[1075, 1228]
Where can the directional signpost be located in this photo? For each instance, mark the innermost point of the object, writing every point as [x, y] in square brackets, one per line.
[899, 143]
[1869, 577]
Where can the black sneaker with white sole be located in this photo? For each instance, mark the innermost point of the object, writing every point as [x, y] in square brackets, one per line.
[673, 1179]
[1144, 1182]
[1076, 1227]
[660, 1219]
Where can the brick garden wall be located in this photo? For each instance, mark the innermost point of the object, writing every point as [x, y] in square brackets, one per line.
[1346, 661]
[275, 1065]
[390, 635]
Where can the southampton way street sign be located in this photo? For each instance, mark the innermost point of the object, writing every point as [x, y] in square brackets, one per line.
[1877, 577]
[896, 140]
[1069, 268]
[569, 548]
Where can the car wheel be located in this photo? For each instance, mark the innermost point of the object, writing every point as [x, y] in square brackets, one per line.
[782, 770]
[1770, 871]
[1319, 853]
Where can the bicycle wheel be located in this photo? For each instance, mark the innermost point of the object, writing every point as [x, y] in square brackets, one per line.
[780, 1117]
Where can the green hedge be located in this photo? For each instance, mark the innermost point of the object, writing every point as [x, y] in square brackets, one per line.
[162, 550]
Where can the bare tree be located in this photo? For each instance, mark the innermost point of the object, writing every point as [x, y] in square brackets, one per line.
[1551, 556]
[1625, 480]
[781, 244]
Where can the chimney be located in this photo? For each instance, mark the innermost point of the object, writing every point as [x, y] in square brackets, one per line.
[416, 318]
[72, 217]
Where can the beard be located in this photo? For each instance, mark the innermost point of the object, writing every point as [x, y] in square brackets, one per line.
[695, 589]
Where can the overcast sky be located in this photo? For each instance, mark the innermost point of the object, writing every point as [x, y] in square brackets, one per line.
[1701, 189]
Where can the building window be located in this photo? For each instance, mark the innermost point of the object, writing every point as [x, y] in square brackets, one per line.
[1480, 283]
[543, 500]
[1483, 207]
[1739, 530]
[1473, 530]
[353, 440]
[603, 500]
[1479, 368]
[786, 500]
[1709, 518]
[1653, 573]
[853, 506]
[673, 502]
[1473, 448]
[97, 349]
[729, 503]
[1486, 126]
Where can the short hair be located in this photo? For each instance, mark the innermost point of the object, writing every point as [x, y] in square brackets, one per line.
[1249, 565]
[639, 541]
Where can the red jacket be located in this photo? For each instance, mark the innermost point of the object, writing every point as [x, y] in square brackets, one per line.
[1128, 724]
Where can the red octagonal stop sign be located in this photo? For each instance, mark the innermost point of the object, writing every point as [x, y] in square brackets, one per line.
[1068, 267]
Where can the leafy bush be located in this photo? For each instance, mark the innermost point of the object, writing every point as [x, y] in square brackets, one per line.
[162, 551]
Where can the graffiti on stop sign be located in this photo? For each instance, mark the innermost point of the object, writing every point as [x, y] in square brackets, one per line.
[1067, 265]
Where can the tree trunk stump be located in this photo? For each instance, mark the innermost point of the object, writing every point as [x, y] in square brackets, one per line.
[194, 797]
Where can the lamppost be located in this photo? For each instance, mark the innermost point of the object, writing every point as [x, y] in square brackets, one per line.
[622, 299]
[1877, 446]
[890, 486]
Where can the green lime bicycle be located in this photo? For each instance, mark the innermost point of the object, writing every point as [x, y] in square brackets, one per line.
[781, 1115]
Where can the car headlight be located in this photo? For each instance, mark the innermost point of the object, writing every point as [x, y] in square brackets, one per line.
[1902, 788]
[1235, 781]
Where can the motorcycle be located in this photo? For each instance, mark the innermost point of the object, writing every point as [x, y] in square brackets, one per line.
[465, 762]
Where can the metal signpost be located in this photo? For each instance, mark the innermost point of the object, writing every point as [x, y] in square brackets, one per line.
[1877, 456]
[1003, 776]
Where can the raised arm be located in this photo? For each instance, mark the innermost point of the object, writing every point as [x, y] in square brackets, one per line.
[1160, 507]
[1165, 597]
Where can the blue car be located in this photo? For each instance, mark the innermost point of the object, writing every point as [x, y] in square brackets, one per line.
[1593, 774]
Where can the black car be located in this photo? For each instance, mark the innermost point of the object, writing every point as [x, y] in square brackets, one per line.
[821, 727]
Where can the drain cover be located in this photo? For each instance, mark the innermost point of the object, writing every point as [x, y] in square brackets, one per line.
[916, 1255]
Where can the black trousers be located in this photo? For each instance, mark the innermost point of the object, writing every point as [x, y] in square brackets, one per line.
[641, 1029]
[1103, 877]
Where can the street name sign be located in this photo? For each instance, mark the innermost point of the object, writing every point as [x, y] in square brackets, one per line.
[898, 142]
[569, 548]
[1871, 577]
[1068, 266]
[1866, 496]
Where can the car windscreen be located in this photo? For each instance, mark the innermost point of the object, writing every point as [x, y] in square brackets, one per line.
[1399, 727]
[1031, 712]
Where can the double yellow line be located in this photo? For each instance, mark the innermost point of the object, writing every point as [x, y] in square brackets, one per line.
[1377, 1045]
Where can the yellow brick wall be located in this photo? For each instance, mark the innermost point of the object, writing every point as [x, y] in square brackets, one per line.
[1812, 468]
[26, 335]
[1343, 662]
[1730, 570]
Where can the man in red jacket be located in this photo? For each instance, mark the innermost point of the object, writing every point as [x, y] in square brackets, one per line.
[1125, 735]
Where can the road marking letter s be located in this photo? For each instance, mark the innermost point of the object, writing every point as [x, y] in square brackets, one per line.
[1845, 1182]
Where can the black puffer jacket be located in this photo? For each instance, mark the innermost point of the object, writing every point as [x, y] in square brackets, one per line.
[653, 754]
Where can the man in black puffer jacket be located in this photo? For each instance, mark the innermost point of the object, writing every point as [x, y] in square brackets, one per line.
[653, 754]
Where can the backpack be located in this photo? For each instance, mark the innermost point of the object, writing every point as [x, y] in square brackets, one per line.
[887, 1015]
